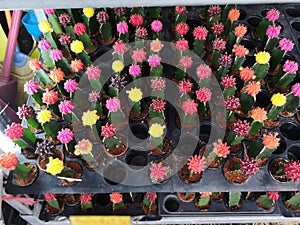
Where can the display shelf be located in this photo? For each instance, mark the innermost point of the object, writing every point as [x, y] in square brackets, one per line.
[213, 180]
[40, 4]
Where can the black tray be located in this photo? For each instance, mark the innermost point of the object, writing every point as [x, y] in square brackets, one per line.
[216, 208]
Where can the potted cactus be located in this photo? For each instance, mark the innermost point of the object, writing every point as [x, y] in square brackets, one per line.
[86, 204]
[267, 201]
[261, 150]
[234, 200]
[23, 137]
[203, 201]
[292, 201]
[193, 170]
[118, 206]
[54, 204]
[24, 173]
[114, 146]
[159, 172]
[149, 205]
[238, 171]
[157, 144]
[220, 150]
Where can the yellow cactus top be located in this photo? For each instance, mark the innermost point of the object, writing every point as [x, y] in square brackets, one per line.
[88, 12]
[45, 26]
[135, 94]
[77, 46]
[55, 166]
[44, 116]
[89, 118]
[117, 66]
[156, 130]
[278, 99]
[262, 57]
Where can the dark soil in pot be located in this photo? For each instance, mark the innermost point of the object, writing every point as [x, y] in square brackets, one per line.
[29, 153]
[142, 115]
[118, 150]
[218, 196]
[136, 198]
[102, 199]
[148, 210]
[276, 170]
[186, 196]
[72, 199]
[232, 175]
[185, 176]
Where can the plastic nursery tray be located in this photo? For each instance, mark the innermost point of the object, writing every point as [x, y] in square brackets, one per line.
[213, 179]
[171, 205]
[101, 208]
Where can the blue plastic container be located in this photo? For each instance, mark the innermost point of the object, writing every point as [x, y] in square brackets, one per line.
[31, 24]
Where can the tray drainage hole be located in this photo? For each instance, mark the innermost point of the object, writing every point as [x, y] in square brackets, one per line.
[254, 21]
[243, 14]
[263, 99]
[282, 146]
[172, 204]
[205, 131]
[288, 57]
[188, 145]
[136, 159]
[248, 44]
[294, 152]
[291, 131]
[250, 60]
[193, 23]
[114, 173]
[264, 12]
[296, 26]
[102, 199]
[139, 132]
[293, 12]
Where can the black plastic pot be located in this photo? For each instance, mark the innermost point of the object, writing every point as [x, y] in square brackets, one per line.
[137, 158]
[290, 130]
[114, 173]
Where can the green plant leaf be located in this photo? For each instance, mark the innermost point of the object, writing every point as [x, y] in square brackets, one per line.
[295, 200]
[105, 30]
[255, 147]
[292, 103]
[22, 171]
[53, 203]
[264, 200]
[262, 28]
[234, 198]
[274, 112]
[255, 127]
[271, 44]
[203, 200]
[246, 102]
[237, 140]
[276, 57]
[261, 70]
[67, 172]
